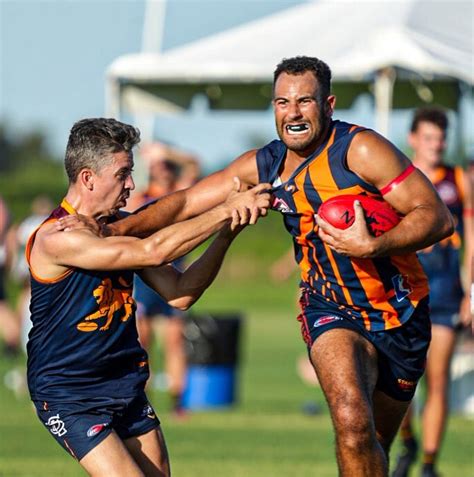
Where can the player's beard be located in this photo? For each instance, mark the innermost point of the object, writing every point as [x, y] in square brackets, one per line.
[307, 146]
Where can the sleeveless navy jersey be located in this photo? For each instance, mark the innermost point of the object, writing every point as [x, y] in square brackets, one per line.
[441, 261]
[381, 292]
[84, 341]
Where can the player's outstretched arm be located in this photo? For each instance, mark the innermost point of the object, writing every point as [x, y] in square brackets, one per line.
[426, 218]
[187, 203]
[182, 289]
[54, 251]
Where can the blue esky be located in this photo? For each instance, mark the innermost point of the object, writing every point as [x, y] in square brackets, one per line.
[54, 54]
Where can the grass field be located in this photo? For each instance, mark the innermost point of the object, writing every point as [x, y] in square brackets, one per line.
[265, 434]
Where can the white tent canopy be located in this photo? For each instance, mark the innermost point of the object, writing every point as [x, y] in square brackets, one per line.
[418, 40]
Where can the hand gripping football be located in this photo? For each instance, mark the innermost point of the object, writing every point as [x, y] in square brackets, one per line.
[339, 212]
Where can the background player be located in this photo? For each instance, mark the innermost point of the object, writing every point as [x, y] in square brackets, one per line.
[86, 368]
[449, 303]
[169, 170]
[372, 292]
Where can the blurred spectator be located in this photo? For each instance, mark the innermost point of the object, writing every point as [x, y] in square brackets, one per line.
[169, 170]
[449, 303]
[41, 207]
[9, 325]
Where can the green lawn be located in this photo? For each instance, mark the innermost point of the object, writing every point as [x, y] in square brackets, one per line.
[265, 434]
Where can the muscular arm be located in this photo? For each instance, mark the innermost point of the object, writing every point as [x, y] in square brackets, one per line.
[183, 204]
[427, 220]
[55, 251]
[182, 289]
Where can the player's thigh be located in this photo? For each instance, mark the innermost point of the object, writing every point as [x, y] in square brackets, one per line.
[346, 365]
[150, 452]
[111, 458]
[388, 415]
[440, 352]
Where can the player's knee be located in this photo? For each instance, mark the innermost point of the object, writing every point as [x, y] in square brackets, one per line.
[354, 429]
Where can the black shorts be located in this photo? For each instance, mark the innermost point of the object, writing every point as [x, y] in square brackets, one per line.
[80, 426]
[401, 351]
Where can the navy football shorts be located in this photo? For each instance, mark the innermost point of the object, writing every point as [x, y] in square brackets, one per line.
[401, 351]
[80, 426]
[448, 318]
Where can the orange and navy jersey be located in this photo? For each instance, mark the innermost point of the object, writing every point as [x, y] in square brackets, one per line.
[442, 261]
[84, 341]
[382, 292]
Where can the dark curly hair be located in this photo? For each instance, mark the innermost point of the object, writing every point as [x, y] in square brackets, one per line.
[300, 64]
[432, 115]
[93, 141]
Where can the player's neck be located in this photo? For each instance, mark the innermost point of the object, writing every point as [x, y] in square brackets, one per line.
[427, 167]
[83, 205]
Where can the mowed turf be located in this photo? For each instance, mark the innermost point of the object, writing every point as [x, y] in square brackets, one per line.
[266, 434]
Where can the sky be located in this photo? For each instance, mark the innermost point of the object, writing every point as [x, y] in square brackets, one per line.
[54, 54]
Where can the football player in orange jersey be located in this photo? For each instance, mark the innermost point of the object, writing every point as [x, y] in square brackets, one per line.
[364, 299]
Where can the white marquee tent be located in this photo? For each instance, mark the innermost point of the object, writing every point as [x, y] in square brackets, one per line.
[401, 51]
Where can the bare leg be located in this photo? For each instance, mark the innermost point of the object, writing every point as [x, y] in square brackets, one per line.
[111, 458]
[346, 365]
[437, 379]
[388, 414]
[150, 453]
[175, 358]
[10, 326]
[145, 331]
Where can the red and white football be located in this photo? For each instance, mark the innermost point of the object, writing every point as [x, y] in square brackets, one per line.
[339, 212]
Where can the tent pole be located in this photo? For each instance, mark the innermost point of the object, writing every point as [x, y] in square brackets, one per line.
[112, 97]
[383, 94]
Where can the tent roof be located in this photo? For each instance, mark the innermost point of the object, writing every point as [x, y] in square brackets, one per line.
[356, 38]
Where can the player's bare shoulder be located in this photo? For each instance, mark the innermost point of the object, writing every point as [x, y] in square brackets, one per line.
[245, 167]
[375, 159]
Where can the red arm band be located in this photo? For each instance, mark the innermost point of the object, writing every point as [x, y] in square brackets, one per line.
[398, 180]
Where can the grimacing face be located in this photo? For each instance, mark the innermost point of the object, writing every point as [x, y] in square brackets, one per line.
[299, 117]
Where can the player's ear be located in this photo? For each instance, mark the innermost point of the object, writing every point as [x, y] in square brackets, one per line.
[330, 105]
[412, 140]
[86, 176]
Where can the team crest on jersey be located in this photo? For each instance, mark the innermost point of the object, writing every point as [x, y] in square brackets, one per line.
[56, 426]
[324, 320]
[110, 300]
[401, 286]
[280, 205]
[95, 429]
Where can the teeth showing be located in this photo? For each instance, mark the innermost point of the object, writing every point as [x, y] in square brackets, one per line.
[296, 128]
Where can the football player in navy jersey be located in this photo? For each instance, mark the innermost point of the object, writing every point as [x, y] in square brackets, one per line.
[449, 299]
[364, 299]
[86, 368]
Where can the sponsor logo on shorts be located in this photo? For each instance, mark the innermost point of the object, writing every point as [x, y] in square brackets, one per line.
[56, 426]
[95, 429]
[324, 320]
[406, 385]
[401, 286]
[148, 412]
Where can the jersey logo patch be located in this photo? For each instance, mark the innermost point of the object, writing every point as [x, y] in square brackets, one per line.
[401, 286]
[110, 300]
[56, 426]
[281, 206]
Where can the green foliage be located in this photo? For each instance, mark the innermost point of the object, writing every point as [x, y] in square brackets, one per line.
[26, 171]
